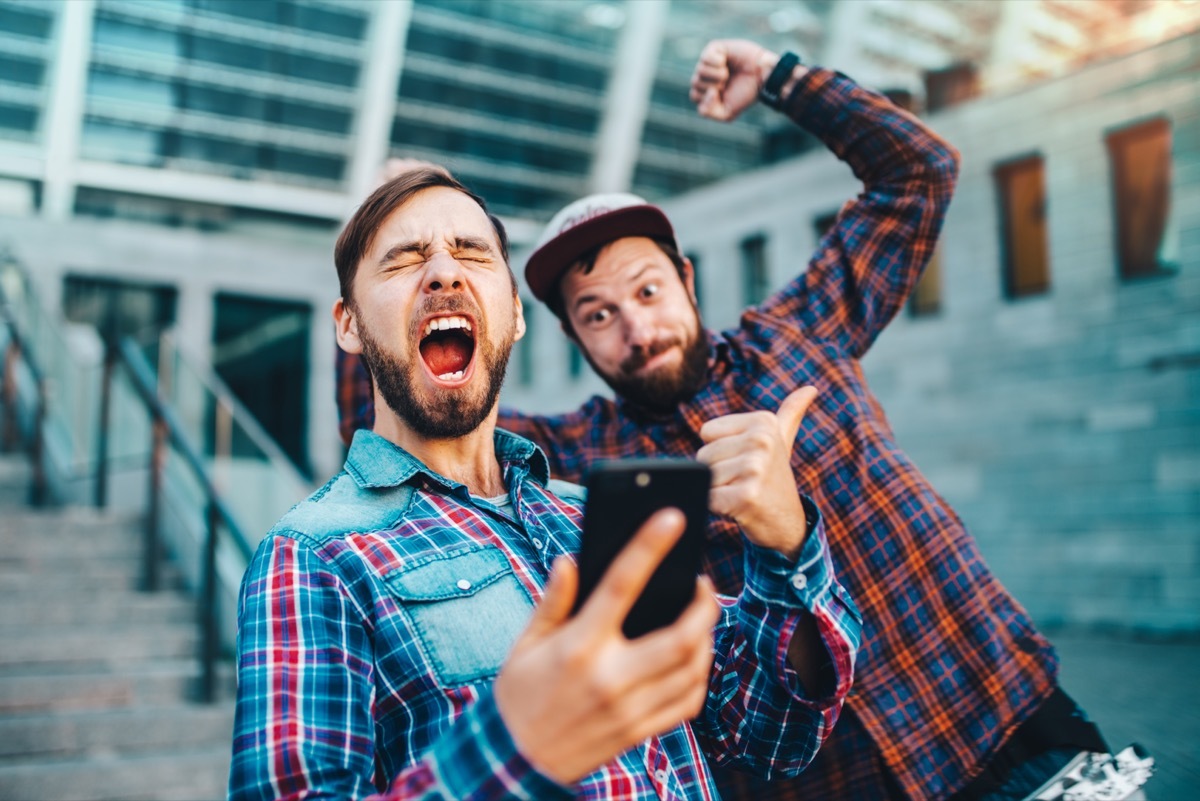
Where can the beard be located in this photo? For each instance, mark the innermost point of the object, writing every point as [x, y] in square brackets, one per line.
[665, 388]
[450, 413]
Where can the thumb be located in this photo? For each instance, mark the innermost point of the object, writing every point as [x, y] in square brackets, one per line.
[792, 410]
[557, 599]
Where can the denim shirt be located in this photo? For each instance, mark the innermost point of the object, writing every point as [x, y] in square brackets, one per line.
[377, 613]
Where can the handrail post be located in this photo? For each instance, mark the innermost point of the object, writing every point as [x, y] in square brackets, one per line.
[106, 380]
[37, 489]
[152, 550]
[10, 395]
[210, 647]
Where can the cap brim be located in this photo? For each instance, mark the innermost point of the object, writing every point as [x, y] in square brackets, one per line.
[547, 264]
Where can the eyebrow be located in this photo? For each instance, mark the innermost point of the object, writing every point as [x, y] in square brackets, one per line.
[418, 246]
[581, 300]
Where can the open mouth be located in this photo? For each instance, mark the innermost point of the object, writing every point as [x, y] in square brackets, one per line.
[448, 347]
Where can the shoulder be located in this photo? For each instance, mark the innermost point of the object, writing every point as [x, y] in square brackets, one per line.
[342, 507]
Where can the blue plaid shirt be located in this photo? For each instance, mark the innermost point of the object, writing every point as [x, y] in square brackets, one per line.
[375, 616]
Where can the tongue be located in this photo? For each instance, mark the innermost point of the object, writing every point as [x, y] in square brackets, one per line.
[447, 355]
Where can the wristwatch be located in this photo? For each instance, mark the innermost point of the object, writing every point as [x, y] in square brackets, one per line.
[769, 94]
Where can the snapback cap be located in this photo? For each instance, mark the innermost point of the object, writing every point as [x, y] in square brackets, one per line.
[588, 223]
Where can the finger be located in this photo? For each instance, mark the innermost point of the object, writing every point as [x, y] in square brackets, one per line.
[713, 54]
[744, 467]
[625, 578]
[711, 74]
[710, 104]
[558, 597]
[792, 410]
[673, 696]
[756, 439]
[729, 425]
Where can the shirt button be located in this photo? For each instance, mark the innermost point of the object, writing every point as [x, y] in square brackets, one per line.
[800, 581]
[660, 776]
[463, 584]
[538, 543]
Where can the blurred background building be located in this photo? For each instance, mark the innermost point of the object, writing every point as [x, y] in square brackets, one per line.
[183, 166]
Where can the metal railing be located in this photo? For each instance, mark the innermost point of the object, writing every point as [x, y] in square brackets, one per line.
[16, 353]
[167, 431]
[91, 424]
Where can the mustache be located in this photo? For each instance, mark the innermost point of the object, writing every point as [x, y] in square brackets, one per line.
[641, 356]
[445, 304]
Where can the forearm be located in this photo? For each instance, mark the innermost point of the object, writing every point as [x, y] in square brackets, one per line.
[779, 731]
[882, 143]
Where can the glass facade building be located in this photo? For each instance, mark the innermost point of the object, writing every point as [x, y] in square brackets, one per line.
[165, 125]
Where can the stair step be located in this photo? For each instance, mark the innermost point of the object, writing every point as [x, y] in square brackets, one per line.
[20, 612]
[99, 578]
[39, 689]
[97, 679]
[192, 776]
[92, 646]
[77, 545]
[22, 522]
[91, 732]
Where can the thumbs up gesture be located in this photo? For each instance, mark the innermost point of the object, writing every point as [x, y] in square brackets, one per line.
[752, 482]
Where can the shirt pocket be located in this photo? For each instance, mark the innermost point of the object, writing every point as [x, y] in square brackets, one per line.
[468, 609]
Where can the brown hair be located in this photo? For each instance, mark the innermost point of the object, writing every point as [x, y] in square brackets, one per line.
[359, 234]
[587, 262]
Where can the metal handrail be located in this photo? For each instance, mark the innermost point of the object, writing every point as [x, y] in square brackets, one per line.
[167, 429]
[19, 349]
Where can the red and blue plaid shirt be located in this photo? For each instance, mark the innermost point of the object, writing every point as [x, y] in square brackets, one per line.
[375, 616]
[951, 662]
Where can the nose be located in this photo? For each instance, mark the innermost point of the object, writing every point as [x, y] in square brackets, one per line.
[443, 273]
[639, 327]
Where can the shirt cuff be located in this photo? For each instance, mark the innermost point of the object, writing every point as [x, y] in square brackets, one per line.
[477, 758]
[779, 591]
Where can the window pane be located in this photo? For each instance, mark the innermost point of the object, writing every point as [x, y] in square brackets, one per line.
[260, 349]
[1022, 186]
[754, 270]
[926, 296]
[1141, 169]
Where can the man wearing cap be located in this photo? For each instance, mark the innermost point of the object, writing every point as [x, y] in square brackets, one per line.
[956, 694]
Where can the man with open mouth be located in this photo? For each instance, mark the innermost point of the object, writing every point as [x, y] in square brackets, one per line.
[406, 632]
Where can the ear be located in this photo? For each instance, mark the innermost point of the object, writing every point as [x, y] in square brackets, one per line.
[520, 312]
[689, 279]
[346, 327]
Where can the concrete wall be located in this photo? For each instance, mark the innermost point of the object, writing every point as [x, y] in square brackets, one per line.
[1065, 428]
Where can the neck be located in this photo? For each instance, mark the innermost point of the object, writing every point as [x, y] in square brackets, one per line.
[469, 460]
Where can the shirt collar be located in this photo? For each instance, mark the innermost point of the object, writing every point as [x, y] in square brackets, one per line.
[374, 462]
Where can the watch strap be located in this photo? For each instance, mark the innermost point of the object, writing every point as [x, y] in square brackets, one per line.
[769, 94]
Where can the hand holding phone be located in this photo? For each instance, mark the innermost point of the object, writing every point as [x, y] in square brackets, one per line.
[622, 495]
[575, 691]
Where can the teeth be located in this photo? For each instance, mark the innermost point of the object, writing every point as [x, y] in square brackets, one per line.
[451, 376]
[446, 323]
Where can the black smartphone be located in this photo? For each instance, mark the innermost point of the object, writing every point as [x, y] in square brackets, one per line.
[622, 495]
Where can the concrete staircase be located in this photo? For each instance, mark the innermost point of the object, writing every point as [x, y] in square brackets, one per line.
[96, 678]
